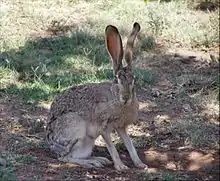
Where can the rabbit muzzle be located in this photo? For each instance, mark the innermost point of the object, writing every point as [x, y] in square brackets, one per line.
[126, 97]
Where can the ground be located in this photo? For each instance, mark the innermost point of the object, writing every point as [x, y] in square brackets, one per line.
[177, 134]
[174, 136]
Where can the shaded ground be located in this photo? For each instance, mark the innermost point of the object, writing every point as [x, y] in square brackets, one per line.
[177, 136]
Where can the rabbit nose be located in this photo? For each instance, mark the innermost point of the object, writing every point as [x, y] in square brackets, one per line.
[125, 98]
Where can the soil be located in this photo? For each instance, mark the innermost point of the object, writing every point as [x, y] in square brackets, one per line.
[162, 148]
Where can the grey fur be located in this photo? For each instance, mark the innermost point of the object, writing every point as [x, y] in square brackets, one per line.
[82, 113]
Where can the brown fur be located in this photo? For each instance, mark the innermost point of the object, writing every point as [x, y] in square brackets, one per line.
[82, 113]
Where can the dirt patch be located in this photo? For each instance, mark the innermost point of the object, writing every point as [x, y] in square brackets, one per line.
[173, 137]
[195, 164]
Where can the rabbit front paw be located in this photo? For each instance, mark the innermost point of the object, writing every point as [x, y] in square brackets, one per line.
[120, 166]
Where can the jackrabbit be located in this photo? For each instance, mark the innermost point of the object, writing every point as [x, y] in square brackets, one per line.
[82, 113]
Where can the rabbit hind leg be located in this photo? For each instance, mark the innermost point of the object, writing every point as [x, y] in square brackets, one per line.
[81, 155]
[78, 144]
[64, 133]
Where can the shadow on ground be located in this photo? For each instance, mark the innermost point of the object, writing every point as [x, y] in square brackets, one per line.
[160, 143]
[53, 50]
[173, 136]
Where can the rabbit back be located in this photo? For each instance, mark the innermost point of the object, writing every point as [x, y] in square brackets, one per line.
[95, 103]
[81, 99]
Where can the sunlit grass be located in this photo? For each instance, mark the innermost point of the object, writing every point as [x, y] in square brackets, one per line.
[7, 77]
[47, 46]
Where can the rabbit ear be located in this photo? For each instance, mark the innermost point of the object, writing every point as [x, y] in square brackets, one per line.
[130, 43]
[114, 46]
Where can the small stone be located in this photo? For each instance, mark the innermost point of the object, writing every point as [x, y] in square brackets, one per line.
[171, 166]
[148, 135]
[187, 107]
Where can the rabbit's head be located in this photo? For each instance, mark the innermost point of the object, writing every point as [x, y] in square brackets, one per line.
[123, 75]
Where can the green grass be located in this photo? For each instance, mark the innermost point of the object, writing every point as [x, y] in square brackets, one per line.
[47, 46]
[14, 161]
[7, 174]
[144, 176]
[169, 177]
[25, 159]
[8, 77]
[32, 144]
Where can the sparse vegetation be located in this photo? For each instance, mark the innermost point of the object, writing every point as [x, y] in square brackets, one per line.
[144, 176]
[49, 45]
[74, 52]
[7, 174]
[26, 159]
[169, 177]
